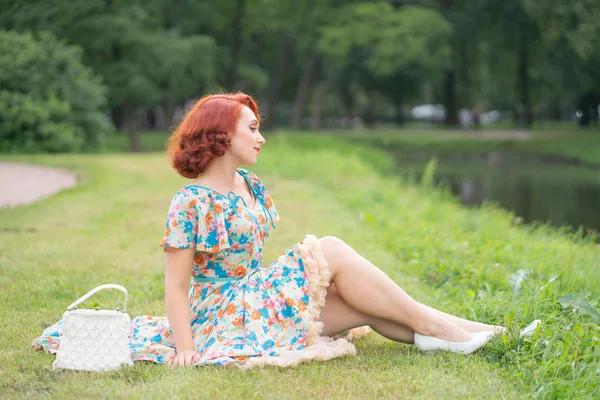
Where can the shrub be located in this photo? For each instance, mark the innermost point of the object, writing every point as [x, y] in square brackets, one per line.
[49, 101]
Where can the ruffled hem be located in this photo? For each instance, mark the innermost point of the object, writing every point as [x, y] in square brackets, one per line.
[325, 349]
[354, 334]
[319, 348]
[318, 275]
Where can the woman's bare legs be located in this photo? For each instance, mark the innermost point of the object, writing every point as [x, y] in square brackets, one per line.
[338, 316]
[375, 297]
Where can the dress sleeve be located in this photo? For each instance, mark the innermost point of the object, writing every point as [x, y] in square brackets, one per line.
[263, 195]
[196, 221]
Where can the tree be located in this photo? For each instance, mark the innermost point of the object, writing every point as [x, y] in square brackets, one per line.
[311, 18]
[511, 29]
[576, 22]
[177, 67]
[391, 44]
[49, 101]
[142, 63]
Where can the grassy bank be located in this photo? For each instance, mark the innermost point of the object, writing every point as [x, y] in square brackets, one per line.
[575, 148]
[107, 230]
[570, 146]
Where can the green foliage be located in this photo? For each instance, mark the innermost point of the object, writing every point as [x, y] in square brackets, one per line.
[391, 38]
[29, 125]
[580, 305]
[49, 101]
[578, 20]
[372, 59]
[143, 62]
[175, 67]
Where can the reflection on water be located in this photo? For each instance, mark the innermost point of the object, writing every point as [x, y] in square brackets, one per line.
[554, 194]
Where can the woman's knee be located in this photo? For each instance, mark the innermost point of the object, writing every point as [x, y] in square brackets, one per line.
[337, 253]
[333, 246]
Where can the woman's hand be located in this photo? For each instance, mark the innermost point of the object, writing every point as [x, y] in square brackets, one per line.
[185, 358]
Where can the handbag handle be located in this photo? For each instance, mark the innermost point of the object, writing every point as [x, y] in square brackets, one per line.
[96, 290]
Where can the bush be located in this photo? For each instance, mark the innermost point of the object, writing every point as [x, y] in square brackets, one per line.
[49, 101]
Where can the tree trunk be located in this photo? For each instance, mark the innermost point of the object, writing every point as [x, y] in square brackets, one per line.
[523, 82]
[169, 110]
[369, 115]
[463, 72]
[134, 140]
[302, 92]
[449, 96]
[256, 41]
[449, 90]
[285, 52]
[399, 118]
[236, 43]
[118, 113]
[118, 117]
[346, 95]
[317, 104]
[132, 133]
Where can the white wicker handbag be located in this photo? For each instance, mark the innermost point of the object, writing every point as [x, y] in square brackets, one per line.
[93, 339]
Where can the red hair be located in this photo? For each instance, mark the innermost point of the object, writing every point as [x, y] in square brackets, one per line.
[203, 134]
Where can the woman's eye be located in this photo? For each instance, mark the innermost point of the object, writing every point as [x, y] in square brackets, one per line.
[252, 128]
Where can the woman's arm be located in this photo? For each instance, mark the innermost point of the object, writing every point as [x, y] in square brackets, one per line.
[178, 270]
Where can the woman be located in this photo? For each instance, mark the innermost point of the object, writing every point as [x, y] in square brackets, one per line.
[240, 311]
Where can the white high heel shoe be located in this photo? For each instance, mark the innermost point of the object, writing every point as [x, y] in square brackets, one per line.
[429, 344]
[530, 329]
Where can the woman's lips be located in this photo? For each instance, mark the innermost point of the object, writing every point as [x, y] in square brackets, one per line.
[257, 150]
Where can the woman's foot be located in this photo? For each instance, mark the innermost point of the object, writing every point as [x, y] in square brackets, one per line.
[530, 329]
[429, 344]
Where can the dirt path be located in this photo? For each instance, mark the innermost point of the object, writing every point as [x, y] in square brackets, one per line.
[26, 183]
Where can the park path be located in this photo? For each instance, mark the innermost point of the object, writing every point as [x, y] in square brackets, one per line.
[22, 183]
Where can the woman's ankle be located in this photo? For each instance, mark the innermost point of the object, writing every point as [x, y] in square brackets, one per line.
[445, 330]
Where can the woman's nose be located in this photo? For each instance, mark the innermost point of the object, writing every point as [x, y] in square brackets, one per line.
[261, 139]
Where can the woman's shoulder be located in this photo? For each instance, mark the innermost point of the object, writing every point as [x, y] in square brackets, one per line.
[192, 196]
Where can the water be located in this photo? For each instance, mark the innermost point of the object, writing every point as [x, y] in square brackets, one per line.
[558, 194]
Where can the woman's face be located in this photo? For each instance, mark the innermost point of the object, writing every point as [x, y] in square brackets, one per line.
[246, 141]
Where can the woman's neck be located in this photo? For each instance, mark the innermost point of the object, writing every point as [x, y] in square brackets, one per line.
[220, 173]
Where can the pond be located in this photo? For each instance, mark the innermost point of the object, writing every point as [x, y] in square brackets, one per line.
[558, 194]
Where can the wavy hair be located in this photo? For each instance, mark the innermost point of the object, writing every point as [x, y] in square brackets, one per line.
[204, 133]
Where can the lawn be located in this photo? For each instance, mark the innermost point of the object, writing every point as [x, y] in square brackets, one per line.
[463, 261]
[578, 147]
[559, 141]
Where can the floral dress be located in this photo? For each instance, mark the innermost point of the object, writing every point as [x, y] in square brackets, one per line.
[243, 313]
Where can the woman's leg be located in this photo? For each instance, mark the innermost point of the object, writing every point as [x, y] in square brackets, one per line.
[338, 316]
[371, 292]
[471, 326]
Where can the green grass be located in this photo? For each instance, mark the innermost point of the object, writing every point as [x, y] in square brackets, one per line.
[108, 228]
[569, 146]
[560, 141]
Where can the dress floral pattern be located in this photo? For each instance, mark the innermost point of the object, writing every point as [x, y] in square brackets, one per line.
[242, 312]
